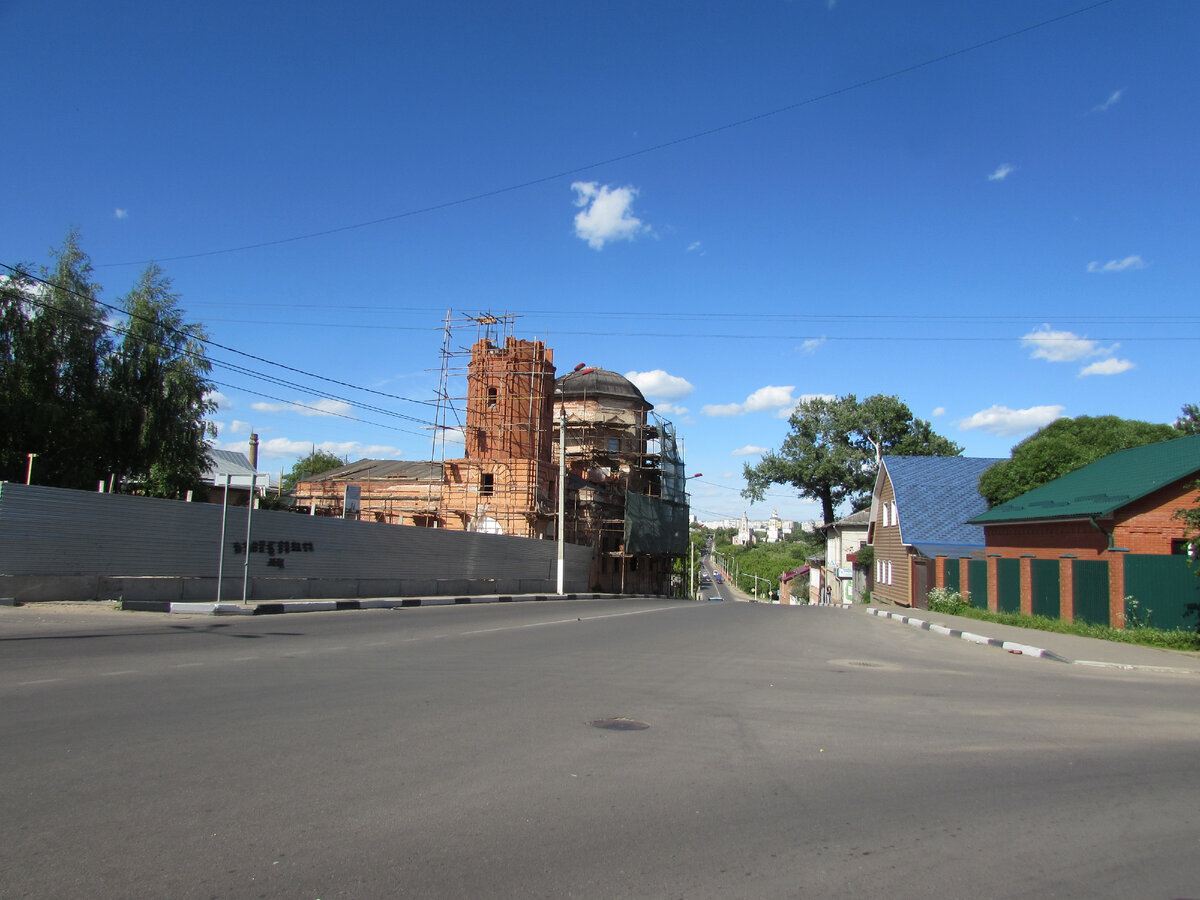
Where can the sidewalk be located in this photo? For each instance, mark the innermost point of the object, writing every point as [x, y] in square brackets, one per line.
[1066, 648]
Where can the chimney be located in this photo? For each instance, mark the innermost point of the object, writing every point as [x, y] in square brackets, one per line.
[254, 451]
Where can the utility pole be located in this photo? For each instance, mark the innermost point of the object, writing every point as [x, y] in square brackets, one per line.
[29, 471]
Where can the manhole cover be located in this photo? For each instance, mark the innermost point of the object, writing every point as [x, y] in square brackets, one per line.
[861, 663]
[619, 724]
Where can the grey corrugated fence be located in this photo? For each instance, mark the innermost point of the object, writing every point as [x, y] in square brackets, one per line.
[60, 544]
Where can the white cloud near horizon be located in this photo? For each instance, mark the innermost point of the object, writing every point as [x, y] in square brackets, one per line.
[661, 385]
[1000, 420]
[320, 407]
[939, 411]
[119, 213]
[748, 450]
[1117, 265]
[1112, 366]
[1002, 171]
[607, 214]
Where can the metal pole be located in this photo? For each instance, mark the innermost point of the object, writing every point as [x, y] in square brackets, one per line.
[246, 564]
[562, 496]
[29, 471]
[221, 555]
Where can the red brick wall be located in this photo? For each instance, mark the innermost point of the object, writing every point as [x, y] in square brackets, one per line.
[1145, 526]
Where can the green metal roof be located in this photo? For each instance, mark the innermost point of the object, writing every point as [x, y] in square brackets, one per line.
[1101, 488]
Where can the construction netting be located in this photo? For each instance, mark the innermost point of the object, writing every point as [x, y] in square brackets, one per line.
[655, 526]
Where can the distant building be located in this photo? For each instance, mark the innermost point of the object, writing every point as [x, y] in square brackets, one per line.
[624, 488]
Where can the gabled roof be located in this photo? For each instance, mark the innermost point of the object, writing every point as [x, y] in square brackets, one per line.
[227, 462]
[936, 496]
[861, 518]
[1101, 488]
[381, 470]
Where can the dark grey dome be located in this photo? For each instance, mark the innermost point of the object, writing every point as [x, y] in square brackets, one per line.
[594, 384]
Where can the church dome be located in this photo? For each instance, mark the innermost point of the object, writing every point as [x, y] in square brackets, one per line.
[597, 384]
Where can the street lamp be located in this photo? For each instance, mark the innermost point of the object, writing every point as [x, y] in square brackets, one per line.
[562, 483]
[29, 471]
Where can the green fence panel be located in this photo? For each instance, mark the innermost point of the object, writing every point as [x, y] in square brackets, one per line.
[952, 575]
[1166, 588]
[977, 582]
[1045, 586]
[1090, 595]
[1008, 585]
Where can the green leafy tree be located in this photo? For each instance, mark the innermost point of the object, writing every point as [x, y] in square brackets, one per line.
[17, 354]
[316, 462]
[54, 353]
[160, 391]
[832, 452]
[1064, 446]
[1189, 419]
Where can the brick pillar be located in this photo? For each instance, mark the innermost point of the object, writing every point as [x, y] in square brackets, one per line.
[1066, 588]
[1116, 589]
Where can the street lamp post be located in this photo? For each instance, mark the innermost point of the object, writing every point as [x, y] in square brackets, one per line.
[562, 484]
[29, 470]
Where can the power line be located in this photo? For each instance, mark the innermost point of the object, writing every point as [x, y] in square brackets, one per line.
[209, 343]
[654, 148]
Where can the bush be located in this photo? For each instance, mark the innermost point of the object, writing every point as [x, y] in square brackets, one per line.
[949, 602]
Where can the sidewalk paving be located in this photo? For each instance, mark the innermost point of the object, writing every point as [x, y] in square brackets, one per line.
[1066, 648]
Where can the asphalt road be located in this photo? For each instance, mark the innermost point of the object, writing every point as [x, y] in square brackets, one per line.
[448, 752]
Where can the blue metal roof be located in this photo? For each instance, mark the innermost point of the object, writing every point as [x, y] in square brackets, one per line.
[937, 496]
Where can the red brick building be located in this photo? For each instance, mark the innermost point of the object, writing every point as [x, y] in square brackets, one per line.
[1086, 544]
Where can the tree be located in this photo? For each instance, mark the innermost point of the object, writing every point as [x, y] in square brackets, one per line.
[832, 453]
[316, 462]
[1189, 419]
[1064, 446]
[160, 392]
[53, 373]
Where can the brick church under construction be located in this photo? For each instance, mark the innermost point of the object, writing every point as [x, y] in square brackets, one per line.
[624, 487]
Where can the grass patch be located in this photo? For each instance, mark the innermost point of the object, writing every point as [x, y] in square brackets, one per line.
[1146, 637]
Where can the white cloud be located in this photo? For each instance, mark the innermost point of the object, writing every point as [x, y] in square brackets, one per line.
[658, 384]
[607, 214]
[1004, 421]
[1062, 346]
[722, 410]
[670, 409]
[286, 450]
[1112, 98]
[1112, 366]
[120, 213]
[240, 427]
[320, 407]
[812, 344]
[940, 411]
[693, 247]
[218, 398]
[769, 397]
[1002, 171]
[1117, 265]
[748, 450]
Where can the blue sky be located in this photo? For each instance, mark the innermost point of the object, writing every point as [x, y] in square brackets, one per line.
[738, 204]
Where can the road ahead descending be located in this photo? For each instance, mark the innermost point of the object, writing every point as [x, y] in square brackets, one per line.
[458, 752]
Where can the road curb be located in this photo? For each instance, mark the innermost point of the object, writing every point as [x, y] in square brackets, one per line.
[267, 608]
[1011, 646]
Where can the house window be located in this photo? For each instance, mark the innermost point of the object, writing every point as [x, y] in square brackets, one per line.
[614, 444]
[889, 572]
[486, 484]
[895, 513]
[492, 393]
[1184, 547]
